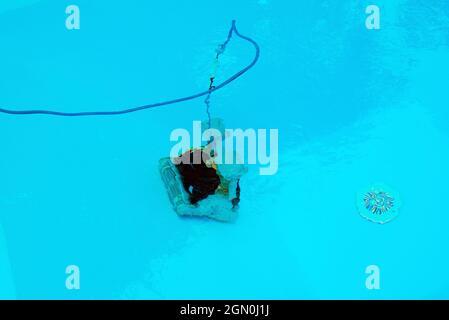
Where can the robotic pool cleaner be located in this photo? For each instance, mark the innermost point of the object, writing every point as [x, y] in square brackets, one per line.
[207, 188]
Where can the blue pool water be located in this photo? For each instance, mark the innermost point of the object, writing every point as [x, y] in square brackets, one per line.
[354, 108]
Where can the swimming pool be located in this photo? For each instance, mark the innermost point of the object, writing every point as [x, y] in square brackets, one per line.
[354, 108]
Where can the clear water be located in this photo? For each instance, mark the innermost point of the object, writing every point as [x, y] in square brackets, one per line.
[354, 107]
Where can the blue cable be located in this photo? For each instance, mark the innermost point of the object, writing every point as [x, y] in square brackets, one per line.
[232, 31]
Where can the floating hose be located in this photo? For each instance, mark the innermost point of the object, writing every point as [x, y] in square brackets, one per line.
[207, 93]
